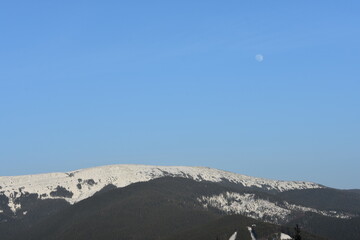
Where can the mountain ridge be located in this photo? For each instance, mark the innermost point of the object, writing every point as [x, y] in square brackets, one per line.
[80, 184]
[147, 188]
[158, 209]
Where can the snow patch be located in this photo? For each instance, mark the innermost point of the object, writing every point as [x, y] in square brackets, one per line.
[251, 233]
[246, 204]
[14, 206]
[284, 236]
[333, 214]
[233, 237]
[251, 206]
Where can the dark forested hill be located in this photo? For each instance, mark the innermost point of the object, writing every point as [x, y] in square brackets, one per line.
[173, 208]
[165, 208]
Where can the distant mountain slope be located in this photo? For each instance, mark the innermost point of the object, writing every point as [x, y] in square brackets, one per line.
[325, 199]
[145, 210]
[149, 202]
[165, 208]
[331, 228]
[78, 185]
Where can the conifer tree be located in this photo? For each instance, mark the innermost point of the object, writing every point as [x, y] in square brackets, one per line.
[297, 233]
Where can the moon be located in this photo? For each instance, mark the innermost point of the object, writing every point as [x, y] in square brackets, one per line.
[259, 57]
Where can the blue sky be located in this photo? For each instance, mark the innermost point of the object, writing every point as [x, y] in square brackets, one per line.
[88, 83]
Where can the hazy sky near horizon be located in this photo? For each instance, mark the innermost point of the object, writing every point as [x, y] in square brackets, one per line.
[263, 88]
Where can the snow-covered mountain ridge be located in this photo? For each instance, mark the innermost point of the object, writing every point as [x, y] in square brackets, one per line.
[77, 185]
